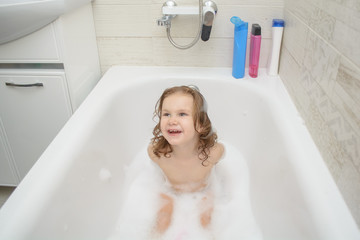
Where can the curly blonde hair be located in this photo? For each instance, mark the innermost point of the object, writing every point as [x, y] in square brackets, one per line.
[202, 124]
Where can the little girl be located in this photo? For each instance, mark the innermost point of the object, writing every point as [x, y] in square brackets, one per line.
[185, 148]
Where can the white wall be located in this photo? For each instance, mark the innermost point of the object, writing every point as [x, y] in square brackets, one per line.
[320, 66]
[127, 32]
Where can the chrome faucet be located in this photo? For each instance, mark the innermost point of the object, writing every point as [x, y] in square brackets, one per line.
[206, 12]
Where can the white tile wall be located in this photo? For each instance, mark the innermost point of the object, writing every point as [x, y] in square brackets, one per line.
[127, 32]
[320, 65]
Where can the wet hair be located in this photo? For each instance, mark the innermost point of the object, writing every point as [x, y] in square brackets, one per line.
[202, 123]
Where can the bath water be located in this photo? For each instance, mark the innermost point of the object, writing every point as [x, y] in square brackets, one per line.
[232, 216]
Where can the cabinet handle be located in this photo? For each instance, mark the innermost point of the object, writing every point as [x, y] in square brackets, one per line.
[24, 85]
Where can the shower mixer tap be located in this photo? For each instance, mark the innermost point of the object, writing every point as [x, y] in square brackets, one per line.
[206, 12]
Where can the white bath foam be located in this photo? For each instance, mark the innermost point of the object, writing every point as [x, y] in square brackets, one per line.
[105, 175]
[141, 191]
[185, 223]
[232, 217]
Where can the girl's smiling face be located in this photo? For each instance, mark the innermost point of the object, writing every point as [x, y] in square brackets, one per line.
[177, 121]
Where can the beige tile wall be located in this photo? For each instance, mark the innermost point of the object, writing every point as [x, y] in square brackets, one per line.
[127, 32]
[320, 65]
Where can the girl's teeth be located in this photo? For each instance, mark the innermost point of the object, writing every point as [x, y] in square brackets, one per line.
[174, 131]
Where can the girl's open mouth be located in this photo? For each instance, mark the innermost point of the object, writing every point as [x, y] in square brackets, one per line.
[173, 131]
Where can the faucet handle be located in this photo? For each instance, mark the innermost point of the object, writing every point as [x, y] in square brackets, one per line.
[210, 10]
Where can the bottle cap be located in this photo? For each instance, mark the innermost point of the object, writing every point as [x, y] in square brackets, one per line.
[278, 23]
[255, 29]
[239, 24]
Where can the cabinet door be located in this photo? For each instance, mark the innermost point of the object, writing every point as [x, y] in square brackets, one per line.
[33, 109]
[7, 174]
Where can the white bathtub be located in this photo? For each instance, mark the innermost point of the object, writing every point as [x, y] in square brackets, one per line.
[73, 191]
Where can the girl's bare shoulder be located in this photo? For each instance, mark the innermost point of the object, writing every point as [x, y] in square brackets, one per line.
[217, 152]
[151, 153]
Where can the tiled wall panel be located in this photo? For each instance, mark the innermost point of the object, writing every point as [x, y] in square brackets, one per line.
[127, 32]
[322, 73]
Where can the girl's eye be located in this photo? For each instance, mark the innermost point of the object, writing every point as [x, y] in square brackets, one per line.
[183, 114]
[166, 114]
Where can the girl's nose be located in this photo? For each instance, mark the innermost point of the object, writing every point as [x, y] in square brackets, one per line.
[173, 120]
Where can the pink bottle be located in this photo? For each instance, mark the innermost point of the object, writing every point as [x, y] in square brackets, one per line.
[255, 43]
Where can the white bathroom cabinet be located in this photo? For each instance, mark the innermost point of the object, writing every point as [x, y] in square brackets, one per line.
[8, 177]
[34, 106]
[44, 77]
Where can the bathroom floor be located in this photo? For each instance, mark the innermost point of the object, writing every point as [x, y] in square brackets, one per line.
[5, 193]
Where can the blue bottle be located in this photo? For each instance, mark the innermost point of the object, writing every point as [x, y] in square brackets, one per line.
[240, 41]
